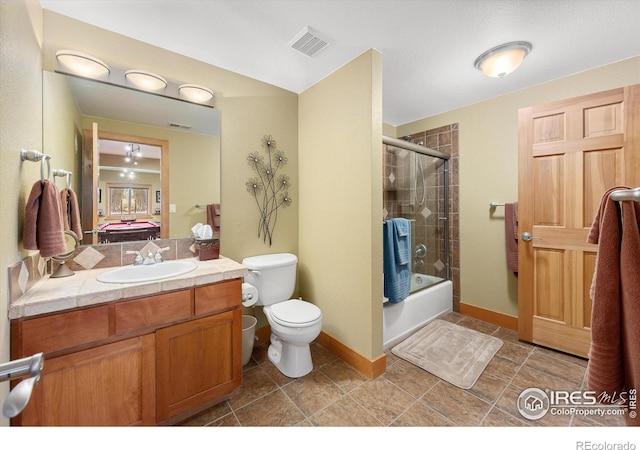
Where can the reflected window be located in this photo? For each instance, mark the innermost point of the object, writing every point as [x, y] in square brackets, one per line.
[128, 200]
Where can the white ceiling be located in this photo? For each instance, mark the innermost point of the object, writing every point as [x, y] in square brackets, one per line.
[428, 46]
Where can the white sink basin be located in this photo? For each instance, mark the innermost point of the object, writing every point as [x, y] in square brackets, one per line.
[152, 272]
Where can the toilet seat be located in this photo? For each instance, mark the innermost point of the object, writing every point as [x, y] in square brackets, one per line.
[295, 313]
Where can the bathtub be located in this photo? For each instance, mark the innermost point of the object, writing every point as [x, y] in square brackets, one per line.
[423, 305]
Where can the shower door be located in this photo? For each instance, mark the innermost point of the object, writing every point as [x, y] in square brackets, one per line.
[416, 188]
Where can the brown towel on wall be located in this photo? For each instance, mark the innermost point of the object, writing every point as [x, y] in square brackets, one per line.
[71, 212]
[43, 229]
[213, 218]
[511, 235]
[614, 365]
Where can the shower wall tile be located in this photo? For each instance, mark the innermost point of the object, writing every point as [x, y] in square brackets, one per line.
[431, 141]
[446, 139]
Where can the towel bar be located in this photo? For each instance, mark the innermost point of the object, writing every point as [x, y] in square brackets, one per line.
[494, 204]
[410, 220]
[31, 365]
[626, 194]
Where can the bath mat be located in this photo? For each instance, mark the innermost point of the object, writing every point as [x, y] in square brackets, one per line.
[456, 354]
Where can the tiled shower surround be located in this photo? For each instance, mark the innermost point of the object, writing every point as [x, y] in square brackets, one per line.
[403, 196]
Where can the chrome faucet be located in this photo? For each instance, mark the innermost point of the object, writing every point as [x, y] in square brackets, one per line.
[150, 259]
[138, 260]
[158, 257]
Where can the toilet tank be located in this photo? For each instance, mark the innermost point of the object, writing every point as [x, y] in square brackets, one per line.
[273, 275]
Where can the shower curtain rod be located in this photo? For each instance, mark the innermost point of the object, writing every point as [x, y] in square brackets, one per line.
[414, 147]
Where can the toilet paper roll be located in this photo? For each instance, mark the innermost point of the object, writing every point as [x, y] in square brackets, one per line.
[249, 294]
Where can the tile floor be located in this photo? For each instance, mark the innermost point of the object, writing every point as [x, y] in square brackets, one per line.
[334, 394]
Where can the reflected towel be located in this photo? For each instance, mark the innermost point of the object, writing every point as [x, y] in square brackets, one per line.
[43, 229]
[614, 366]
[71, 212]
[213, 217]
[397, 276]
[511, 235]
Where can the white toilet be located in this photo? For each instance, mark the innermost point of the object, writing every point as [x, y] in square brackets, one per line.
[294, 323]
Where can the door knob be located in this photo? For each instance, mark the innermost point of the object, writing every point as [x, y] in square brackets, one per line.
[526, 236]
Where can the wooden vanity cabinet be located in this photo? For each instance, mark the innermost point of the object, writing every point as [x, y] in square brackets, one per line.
[112, 384]
[197, 361]
[145, 361]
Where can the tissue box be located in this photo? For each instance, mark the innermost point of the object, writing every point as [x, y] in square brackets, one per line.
[208, 249]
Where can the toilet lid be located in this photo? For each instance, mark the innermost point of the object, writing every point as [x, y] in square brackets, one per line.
[295, 313]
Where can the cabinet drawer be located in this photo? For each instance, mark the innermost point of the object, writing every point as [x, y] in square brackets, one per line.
[151, 311]
[66, 330]
[217, 297]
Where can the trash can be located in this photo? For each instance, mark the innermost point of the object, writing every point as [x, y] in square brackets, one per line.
[248, 336]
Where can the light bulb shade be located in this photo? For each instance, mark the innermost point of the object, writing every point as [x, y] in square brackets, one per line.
[195, 93]
[145, 80]
[503, 59]
[82, 64]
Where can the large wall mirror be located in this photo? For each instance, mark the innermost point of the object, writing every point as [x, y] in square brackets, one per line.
[170, 147]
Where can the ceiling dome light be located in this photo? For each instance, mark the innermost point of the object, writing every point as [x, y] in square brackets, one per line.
[503, 59]
[196, 93]
[145, 80]
[82, 64]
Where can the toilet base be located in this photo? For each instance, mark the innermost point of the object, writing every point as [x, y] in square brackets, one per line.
[293, 360]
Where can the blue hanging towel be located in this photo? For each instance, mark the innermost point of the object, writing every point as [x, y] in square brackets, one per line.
[397, 259]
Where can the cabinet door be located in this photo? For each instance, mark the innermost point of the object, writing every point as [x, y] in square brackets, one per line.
[111, 385]
[198, 362]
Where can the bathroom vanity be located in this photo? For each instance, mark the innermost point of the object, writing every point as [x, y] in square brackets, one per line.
[138, 354]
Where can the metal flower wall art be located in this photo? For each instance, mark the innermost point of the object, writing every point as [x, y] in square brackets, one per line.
[269, 188]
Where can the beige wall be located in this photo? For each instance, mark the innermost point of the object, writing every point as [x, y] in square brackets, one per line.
[340, 243]
[489, 172]
[20, 127]
[61, 120]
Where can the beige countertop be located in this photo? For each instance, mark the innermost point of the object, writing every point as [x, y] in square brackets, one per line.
[82, 289]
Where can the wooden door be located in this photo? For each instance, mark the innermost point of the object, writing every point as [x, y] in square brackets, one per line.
[90, 171]
[197, 362]
[570, 153]
[111, 385]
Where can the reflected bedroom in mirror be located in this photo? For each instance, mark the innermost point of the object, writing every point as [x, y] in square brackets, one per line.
[143, 163]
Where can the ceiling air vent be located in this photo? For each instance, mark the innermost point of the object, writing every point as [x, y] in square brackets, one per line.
[309, 42]
[179, 125]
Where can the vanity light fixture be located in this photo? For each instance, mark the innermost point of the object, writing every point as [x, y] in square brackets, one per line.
[503, 59]
[83, 64]
[195, 93]
[71, 62]
[145, 80]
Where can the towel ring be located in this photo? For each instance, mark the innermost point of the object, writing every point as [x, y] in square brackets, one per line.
[48, 159]
[64, 173]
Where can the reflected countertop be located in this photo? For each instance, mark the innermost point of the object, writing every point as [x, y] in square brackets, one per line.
[83, 289]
